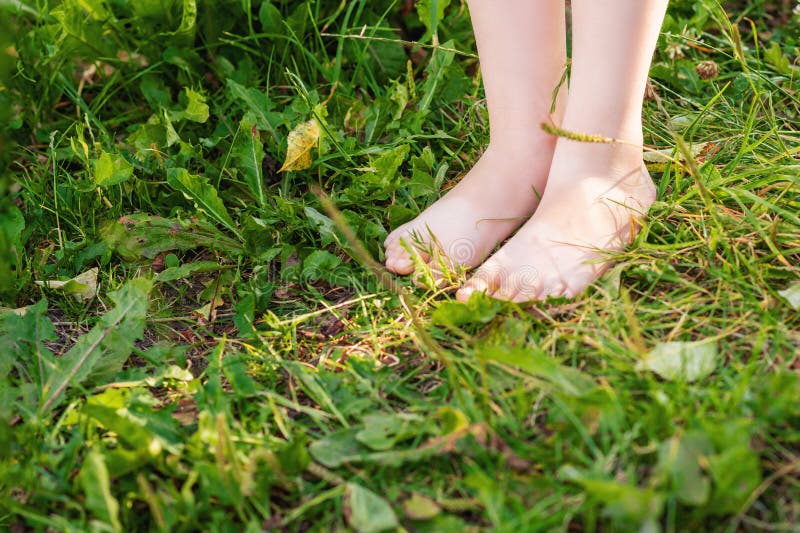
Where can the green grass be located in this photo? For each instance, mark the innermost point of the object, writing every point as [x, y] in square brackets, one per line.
[239, 366]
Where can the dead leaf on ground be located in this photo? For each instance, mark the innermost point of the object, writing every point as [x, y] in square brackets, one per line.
[792, 295]
[681, 361]
[82, 287]
[302, 139]
[671, 154]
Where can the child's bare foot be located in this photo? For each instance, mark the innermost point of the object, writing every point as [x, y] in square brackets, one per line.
[593, 197]
[488, 204]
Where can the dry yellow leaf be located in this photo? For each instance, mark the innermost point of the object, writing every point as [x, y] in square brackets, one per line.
[666, 155]
[83, 286]
[302, 139]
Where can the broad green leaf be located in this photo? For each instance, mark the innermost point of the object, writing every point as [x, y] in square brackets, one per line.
[775, 57]
[293, 456]
[342, 447]
[367, 512]
[23, 340]
[736, 473]
[418, 507]
[270, 18]
[680, 458]
[248, 152]
[188, 21]
[338, 448]
[383, 169]
[479, 309]
[422, 182]
[681, 361]
[157, 132]
[257, 103]
[136, 423]
[234, 367]
[169, 129]
[302, 140]
[568, 380]
[388, 163]
[398, 93]
[151, 8]
[139, 235]
[320, 264]
[792, 295]
[100, 354]
[82, 287]
[323, 224]
[96, 484]
[203, 195]
[12, 224]
[313, 387]
[155, 91]
[111, 170]
[622, 501]
[436, 69]
[196, 107]
[382, 431]
[187, 270]
[431, 13]
[72, 18]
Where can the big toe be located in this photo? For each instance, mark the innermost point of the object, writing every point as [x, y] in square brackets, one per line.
[398, 258]
[401, 265]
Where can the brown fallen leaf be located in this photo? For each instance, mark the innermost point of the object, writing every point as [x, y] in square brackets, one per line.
[302, 139]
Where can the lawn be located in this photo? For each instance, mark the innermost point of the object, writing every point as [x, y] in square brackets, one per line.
[195, 332]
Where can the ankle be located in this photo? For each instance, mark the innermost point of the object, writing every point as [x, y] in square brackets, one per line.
[622, 124]
[523, 147]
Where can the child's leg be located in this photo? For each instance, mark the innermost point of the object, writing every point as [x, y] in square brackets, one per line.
[522, 47]
[593, 190]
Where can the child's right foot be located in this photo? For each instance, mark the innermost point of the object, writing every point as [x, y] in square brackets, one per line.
[462, 229]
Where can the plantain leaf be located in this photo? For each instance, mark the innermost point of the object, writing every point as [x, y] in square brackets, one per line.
[248, 151]
[140, 235]
[258, 104]
[367, 512]
[100, 354]
[203, 195]
[96, 485]
[186, 271]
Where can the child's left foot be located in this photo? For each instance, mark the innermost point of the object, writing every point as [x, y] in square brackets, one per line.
[594, 196]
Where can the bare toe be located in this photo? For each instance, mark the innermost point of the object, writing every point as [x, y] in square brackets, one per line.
[481, 211]
[553, 290]
[505, 292]
[487, 279]
[400, 265]
[473, 285]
